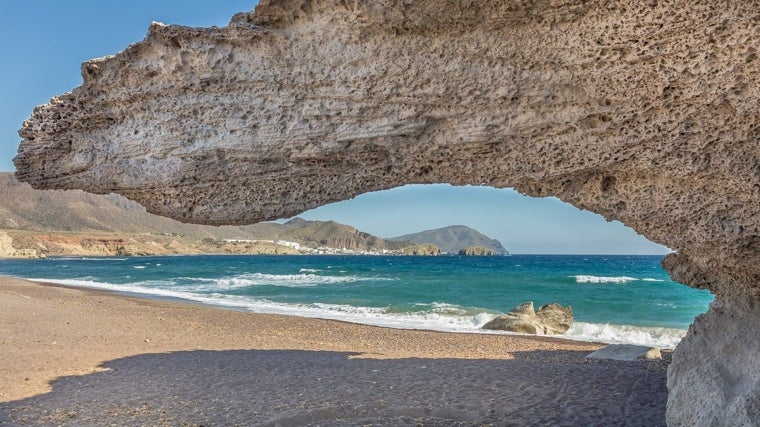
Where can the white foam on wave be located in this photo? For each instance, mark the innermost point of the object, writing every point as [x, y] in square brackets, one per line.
[458, 310]
[584, 278]
[204, 284]
[443, 317]
[440, 317]
[626, 334]
[143, 288]
[261, 279]
[309, 270]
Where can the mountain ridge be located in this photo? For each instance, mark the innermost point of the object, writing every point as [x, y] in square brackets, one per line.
[73, 222]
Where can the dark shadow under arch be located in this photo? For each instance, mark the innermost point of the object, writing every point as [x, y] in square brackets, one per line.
[286, 387]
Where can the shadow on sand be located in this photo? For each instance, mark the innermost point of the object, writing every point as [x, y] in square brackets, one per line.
[295, 388]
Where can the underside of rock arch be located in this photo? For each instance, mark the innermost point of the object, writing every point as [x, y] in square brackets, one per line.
[644, 112]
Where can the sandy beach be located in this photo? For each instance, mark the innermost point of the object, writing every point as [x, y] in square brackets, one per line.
[81, 357]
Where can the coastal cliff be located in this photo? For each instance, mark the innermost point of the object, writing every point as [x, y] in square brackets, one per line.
[644, 112]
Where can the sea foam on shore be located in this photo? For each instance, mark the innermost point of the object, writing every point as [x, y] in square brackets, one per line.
[436, 316]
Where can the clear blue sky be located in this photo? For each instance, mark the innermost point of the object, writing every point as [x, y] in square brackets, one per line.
[45, 41]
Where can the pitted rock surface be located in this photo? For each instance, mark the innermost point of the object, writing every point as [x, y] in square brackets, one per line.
[644, 112]
[550, 319]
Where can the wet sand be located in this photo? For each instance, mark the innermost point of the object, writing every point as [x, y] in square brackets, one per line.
[81, 357]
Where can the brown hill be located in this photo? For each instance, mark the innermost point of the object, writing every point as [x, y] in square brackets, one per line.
[79, 223]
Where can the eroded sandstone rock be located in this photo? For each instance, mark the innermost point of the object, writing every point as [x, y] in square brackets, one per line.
[519, 319]
[719, 356]
[644, 112]
[555, 318]
[550, 319]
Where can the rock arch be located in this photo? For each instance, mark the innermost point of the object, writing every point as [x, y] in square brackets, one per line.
[644, 112]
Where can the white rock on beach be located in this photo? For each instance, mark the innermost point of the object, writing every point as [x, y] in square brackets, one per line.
[626, 352]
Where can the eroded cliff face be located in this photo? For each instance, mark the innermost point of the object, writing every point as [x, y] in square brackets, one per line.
[644, 112]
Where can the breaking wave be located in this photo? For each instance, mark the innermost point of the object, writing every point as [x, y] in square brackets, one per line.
[626, 334]
[584, 278]
[431, 316]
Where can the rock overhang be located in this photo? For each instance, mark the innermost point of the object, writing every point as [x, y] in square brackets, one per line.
[644, 113]
[303, 103]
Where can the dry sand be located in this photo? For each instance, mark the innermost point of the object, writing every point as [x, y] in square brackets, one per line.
[80, 357]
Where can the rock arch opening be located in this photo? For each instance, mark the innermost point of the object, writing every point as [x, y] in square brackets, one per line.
[613, 271]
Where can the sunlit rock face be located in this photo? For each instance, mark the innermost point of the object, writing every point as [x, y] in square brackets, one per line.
[644, 112]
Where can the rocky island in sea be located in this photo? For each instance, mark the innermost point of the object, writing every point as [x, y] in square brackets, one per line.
[477, 251]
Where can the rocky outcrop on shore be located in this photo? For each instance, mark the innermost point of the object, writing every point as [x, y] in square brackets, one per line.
[8, 250]
[6, 246]
[643, 112]
[550, 319]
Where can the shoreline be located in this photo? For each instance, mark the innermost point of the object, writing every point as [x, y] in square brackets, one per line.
[90, 309]
[581, 331]
[65, 347]
[606, 333]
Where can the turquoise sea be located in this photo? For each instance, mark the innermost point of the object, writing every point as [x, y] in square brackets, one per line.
[616, 299]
